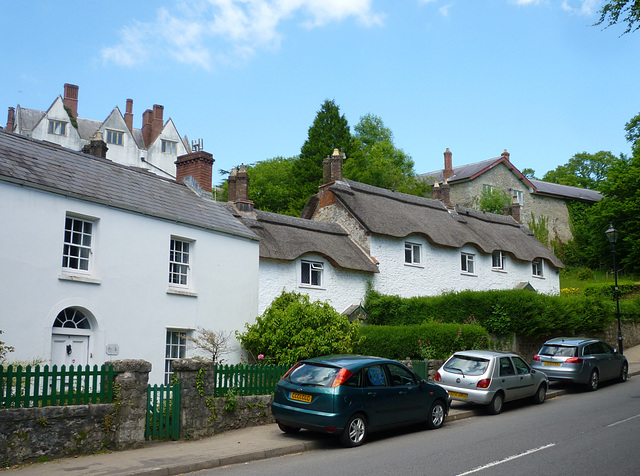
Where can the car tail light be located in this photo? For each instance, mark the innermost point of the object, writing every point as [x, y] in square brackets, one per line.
[437, 377]
[574, 360]
[484, 383]
[291, 370]
[536, 358]
[342, 377]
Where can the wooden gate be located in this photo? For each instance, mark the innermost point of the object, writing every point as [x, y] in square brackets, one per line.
[163, 412]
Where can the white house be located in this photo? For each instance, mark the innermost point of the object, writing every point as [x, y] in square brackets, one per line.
[155, 147]
[104, 261]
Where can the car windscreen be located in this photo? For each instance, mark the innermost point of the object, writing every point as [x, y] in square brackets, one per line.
[558, 350]
[466, 365]
[314, 375]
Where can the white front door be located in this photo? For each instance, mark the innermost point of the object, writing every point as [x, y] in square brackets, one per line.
[69, 350]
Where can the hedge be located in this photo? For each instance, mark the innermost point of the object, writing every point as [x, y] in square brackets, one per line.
[502, 312]
[433, 340]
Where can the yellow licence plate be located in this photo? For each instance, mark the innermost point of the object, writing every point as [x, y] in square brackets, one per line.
[554, 364]
[301, 397]
[458, 394]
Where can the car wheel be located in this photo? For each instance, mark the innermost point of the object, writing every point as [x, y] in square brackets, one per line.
[436, 415]
[594, 379]
[288, 429]
[540, 394]
[625, 373]
[495, 406]
[355, 431]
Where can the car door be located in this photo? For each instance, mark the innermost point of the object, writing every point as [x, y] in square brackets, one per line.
[380, 397]
[410, 401]
[608, 361]
[509, 381]
[527, 381]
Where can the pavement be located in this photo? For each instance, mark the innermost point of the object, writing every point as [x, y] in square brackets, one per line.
[237, 446]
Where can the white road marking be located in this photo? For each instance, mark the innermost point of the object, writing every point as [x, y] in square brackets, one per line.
[622, 421]
[495, 463]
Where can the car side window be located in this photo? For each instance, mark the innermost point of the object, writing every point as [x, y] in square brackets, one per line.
[521, 366]
[506, 367]
[596, 348]
[400, 375]
[355, 380]
[375, 377]
[606, 348]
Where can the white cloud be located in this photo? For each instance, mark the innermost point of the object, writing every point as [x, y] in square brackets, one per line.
[444, 10]
[194, 30]
[585, 7]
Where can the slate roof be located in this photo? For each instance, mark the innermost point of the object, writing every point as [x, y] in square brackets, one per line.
[287, 238]
[399, 215]
[50, 167]
[471, 171]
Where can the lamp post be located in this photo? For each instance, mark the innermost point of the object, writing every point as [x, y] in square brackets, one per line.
[612, 236]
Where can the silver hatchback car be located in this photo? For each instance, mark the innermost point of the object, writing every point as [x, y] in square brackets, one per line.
[491, 378]
[581, 360]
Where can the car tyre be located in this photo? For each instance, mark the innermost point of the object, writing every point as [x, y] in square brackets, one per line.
[624, 374]
[290, 430]
[436, 415]
[594, 380]
[355, 431]
[540, 394]
[495, 406]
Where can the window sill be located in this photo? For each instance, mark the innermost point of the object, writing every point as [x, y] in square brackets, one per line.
[469, 274]
[79, 278]
[498, 270]
[414, 265]
[310, 286]
[537, 277]
[181, 292]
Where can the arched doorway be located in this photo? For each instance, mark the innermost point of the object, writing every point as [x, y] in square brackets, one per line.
[70, 338]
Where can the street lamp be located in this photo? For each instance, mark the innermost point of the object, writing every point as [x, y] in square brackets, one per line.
[612, 236]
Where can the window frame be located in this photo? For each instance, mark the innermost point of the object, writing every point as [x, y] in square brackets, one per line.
[411, 247]
[57, 128]
[172, 147]
[85, 253]
[111, 133]
[315, 267]
[180, 269]
[467, 259]
[493, 261]
[170, 346]
[537, 268]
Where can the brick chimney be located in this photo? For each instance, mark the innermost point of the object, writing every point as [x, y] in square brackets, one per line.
[97, 147]
[448, 165]
[515, 209]
[435, 193]
[152, 124]
[242, 184]
[11, 117]
[198, 165]
[445, 194]
[505, 154]
[128, 116]
[231, 189]
[71, 98]
[332, 166]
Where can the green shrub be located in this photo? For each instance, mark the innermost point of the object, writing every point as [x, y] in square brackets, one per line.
[607, 290]
[433, 340]
[293, 328]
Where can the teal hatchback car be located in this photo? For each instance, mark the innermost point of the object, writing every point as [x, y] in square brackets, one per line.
[352, 395]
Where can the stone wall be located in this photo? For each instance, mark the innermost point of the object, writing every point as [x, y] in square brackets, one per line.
[44, 433]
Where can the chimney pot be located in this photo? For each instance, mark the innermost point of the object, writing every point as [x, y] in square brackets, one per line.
[11, 119]
[448, 164]
[505, 154]
[242, 184]
[128, 115]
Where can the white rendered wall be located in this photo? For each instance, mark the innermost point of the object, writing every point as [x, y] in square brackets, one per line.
[57, 112]
[440, 271]
[129, 302]
[340, 288]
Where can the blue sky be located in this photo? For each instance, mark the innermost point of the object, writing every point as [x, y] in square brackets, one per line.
[248, 76]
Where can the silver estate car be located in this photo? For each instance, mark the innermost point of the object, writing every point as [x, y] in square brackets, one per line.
[581, 360]
[491, 378]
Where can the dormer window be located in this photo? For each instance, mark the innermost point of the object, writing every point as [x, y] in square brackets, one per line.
[169, 147]
[311, 273]
[497, 260]
[58, 128]
[114, 137]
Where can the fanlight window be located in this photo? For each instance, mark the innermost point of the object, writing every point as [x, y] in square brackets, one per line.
[72, 319]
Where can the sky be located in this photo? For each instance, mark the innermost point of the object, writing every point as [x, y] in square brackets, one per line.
[248, 77]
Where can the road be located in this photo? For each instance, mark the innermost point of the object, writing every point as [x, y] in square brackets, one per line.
[578, 433]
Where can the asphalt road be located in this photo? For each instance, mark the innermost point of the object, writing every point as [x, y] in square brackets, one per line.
[587, 433]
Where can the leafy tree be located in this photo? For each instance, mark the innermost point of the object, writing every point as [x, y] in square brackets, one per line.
[377, 161]
[616, 11]
[583, 170]
[329, 130]
[492, 200]
[271, 185]
[529, 173]
[293, 328]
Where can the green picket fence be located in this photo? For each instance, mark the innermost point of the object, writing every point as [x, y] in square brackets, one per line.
[163, 412]
[43, 386]
[248, 379]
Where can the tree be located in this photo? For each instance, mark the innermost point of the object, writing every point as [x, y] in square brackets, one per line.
[271, 185]
[215, 344]
[293, 328]
[582, 170]
[529, 173]
[492, 200]
[4, 349]
[377, 161]
[330, 130]
[615, 9]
